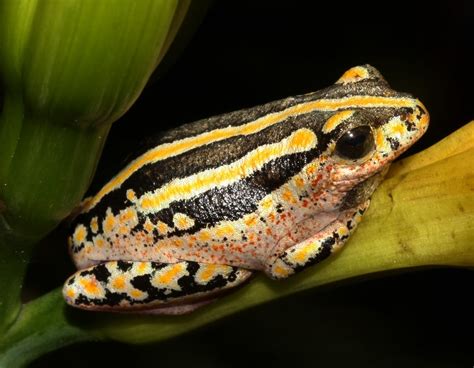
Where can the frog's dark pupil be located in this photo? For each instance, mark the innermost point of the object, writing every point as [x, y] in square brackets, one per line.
[355, 143]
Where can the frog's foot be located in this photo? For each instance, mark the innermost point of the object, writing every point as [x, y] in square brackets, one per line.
[317, 247]
[153, 287]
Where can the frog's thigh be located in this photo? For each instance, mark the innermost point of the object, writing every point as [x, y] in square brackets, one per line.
[128, 286]
[316, 248]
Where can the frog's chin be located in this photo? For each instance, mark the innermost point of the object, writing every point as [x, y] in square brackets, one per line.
[362, 191]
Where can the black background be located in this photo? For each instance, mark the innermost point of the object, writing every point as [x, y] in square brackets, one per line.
[250, 52]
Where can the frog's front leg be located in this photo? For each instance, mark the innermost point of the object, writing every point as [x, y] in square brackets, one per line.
[150, 286]
[316, 248]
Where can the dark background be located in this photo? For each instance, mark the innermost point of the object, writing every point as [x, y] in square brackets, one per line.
[246, 53]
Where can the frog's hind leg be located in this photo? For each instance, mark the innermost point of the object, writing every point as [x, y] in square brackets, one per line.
[152, 287]
[317, 247]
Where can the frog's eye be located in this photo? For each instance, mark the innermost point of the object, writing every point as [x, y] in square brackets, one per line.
[355, 143]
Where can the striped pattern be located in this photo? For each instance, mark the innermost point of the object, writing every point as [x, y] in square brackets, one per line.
[168, 150]
[257, 189]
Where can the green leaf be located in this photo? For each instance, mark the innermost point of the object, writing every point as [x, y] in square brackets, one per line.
[68, 69]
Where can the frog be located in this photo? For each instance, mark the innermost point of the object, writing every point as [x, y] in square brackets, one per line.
[272, 189]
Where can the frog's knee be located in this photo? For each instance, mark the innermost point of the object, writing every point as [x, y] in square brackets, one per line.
[126, 286]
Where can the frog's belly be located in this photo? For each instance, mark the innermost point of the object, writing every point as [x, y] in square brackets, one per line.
[238, 243]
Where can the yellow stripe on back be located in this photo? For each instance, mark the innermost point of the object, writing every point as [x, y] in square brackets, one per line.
[185, 188]
[167, 150]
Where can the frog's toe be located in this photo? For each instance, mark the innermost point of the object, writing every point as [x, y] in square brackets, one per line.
[130, 286]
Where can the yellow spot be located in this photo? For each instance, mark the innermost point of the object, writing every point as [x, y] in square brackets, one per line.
[80, 234]
[354, 74]
[70, 293]
[142, 267]
[379, 139]
[301, 255]
[148, 225]
[281, 271]
[162, 227]
[398, 128]
[169, 275]
[223, 230]
[90, 286]
[299, 182]
[182, 221]
[204, 235]
[207, 273]
[124, 229]
[94, 225]
[267, 203]
[129, 214]
[303, 138]
[118, 283]
[136, 294]
[109, 222]
[335, 120]
[99, 241]
[343, 231]
[250, 220]
[288, 196]
[184, 188]
[131, 196]
[177, 242]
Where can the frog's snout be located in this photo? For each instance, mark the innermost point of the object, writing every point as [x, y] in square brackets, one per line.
[403, 130]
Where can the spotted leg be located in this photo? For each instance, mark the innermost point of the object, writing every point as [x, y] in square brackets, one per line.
[152, 287]
[317, 247]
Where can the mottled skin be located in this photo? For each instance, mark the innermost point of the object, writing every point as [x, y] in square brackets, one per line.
[274, 188]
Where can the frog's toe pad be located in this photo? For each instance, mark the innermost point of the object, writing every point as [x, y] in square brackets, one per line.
[126, 286]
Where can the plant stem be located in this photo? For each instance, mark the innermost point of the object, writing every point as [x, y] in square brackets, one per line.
[41, 327]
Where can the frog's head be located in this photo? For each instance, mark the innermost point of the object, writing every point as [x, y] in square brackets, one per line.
[371, 126]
